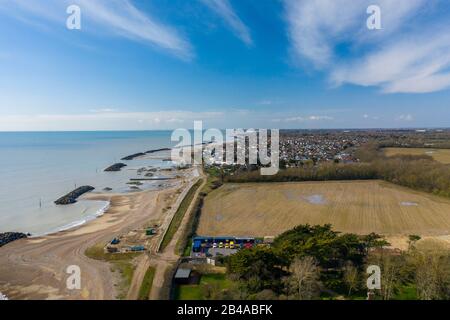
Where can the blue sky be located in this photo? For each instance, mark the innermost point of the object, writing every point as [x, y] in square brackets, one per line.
[162, 64]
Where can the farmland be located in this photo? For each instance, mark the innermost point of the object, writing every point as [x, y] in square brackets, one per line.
[440, 155]
[268, 209]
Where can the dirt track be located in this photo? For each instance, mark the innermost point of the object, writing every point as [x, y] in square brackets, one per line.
[152, 258]
[162, 261]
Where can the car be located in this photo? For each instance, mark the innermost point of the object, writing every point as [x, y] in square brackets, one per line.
[231, 244]
[214, 245]
[227, 246]
[220, 244]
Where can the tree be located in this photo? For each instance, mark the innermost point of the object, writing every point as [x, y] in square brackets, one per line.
[390, 276]
[303, 282]
[259, 267]
[351, 277]
[412, 239]
[374, 241]
[432, 274]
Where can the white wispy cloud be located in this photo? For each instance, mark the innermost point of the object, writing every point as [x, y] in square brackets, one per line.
[224, 9]
[105, 120]
[103, 110]
[115, 17]
[304, 118]
[406, 117]
[403, 57]
[410, 66]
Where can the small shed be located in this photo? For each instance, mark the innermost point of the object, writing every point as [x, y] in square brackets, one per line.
[182, 276]
[137, 248]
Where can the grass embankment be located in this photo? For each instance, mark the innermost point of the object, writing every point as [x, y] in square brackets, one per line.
[146, 285]
[121, 263]
[215, 281]
[178, 217]
[184, 244]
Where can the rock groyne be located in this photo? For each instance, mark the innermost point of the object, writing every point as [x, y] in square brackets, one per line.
[115, 167]
[158, 150]
[72, 197]
[8, 237]
[132, 156]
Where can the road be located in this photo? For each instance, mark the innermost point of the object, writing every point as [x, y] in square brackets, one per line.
[167, 258]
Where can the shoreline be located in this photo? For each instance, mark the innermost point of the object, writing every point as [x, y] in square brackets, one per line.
[34, 268]
[77, 223]
[92, 210]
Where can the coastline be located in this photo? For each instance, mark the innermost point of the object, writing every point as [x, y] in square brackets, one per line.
[34, 268]
[77, 223]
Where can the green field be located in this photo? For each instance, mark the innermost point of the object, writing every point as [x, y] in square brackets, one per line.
[217, 281]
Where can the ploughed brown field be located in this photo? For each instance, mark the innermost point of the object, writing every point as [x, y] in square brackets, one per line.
[440, 155]
[268, 209]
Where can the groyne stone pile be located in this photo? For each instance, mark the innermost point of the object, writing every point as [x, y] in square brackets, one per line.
[72, 197]
[8, 237]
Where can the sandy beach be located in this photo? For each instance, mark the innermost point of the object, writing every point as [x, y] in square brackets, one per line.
[35, 268]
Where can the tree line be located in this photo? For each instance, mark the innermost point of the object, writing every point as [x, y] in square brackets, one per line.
[416, 172]
[316, 262]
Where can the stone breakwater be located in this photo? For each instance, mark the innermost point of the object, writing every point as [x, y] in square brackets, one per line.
[8, 237]
[72, 197]
[115, 167]
[131, 157]
[140, 154]
[158, 150]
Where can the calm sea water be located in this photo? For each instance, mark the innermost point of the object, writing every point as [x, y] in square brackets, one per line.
[36, 168]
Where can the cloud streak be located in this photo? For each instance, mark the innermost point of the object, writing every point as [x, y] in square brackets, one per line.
[116, 17]
[104, 119]
[304, 118]
[224, 9]
[403, 57]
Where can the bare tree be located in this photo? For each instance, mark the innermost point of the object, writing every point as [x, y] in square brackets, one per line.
[303, 282]
[390, 273]
[351, 277]
[432, 275]
[390, 277]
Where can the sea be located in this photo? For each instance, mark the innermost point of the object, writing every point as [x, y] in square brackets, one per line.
[37, 168]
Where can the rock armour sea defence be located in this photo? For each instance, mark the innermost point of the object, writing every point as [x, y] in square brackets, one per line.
[8, 237]
[115, 167]
[72, 197]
